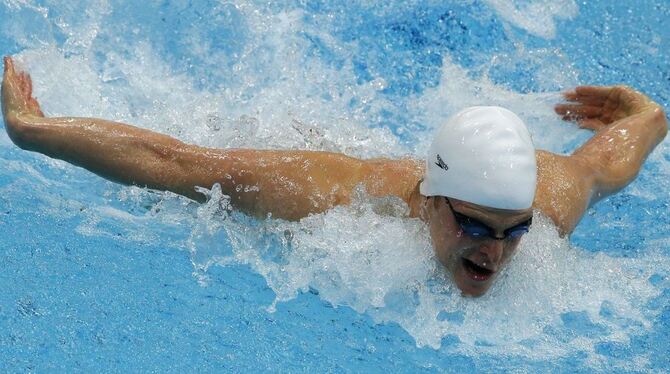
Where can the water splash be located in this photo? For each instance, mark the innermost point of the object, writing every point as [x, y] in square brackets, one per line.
[459, 89]
[538, 16]
[370, 257]
[553, 300]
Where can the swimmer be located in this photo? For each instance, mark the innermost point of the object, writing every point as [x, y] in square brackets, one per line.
[476, 190]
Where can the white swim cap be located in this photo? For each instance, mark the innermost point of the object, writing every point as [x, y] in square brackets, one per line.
[483, 155]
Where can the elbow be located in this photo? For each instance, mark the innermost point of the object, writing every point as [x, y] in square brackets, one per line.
[608, 173]
[663, 121]
[615, 177]
[659, 119]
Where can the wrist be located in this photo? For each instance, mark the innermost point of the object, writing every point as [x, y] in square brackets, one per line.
[20, 128]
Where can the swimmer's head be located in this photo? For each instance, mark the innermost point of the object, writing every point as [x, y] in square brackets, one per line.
[479, 186]
[483, 155]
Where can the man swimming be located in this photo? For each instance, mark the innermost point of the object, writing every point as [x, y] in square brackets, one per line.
[476, 191]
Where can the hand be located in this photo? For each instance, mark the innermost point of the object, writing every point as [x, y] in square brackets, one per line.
[17, 89]
[595, 107]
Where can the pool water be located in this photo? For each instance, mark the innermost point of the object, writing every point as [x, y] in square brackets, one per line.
[97, 276]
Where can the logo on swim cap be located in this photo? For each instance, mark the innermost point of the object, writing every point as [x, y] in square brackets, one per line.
[441, 163]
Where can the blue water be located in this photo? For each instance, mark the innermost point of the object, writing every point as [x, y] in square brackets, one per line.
[100, 276]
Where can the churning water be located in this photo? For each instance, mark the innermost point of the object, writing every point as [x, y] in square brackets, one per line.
[364, 78]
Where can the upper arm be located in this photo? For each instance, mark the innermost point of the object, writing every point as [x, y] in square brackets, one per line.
[565, 188]
[293, 184]
[285, 184]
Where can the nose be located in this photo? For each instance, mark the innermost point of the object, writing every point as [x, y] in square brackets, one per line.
[493, 250]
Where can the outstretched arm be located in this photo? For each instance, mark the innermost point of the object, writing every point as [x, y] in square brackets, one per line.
[286, 184]
[627, 127]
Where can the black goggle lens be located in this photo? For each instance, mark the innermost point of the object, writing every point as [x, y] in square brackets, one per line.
[476, 229]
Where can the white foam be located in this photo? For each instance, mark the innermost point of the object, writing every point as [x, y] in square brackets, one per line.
[458, 89]
[367, 256]
[535, 16]
[370, 257]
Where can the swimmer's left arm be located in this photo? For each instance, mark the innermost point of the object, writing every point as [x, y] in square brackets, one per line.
[628, 126]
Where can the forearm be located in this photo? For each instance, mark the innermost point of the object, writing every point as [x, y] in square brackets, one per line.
[618, 151]
[115, 151]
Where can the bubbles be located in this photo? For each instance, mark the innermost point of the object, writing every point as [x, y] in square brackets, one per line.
[458, 89]
[290, 79]
[536, 17]
[369, 256]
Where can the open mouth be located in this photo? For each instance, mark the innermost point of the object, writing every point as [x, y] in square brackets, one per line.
[476, 272]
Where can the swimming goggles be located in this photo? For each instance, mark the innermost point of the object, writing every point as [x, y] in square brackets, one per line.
[477, 229]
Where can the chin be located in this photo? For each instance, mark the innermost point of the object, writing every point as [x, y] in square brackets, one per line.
[472, 290]
[468, 291]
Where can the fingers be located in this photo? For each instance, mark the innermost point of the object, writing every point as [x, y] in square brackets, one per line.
[21, 82]
[36, 108]
[8, 64]
[589, 95]
[594, 91]
[10, 71]
[570, 95]
[571, 112]
[17, 89]
[587, 116]
[591, 124]
[22, 79]
[10, 67]
[26, 84]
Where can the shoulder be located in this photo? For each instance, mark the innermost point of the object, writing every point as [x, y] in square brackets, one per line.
[564, 188]
[398, 177]
[404, 165]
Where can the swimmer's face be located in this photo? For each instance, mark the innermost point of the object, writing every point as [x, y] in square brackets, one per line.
[474, 262]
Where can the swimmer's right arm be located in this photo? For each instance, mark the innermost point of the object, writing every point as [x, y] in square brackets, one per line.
[628, 126]
[285, 184]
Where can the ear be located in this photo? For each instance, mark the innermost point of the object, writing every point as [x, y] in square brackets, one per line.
[423, 210]
[435, 200]
[428, 207]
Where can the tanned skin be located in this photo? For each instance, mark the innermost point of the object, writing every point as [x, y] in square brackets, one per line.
[627, 126]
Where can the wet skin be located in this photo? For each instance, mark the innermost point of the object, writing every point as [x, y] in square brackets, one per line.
[473, 263]
[289, 184]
